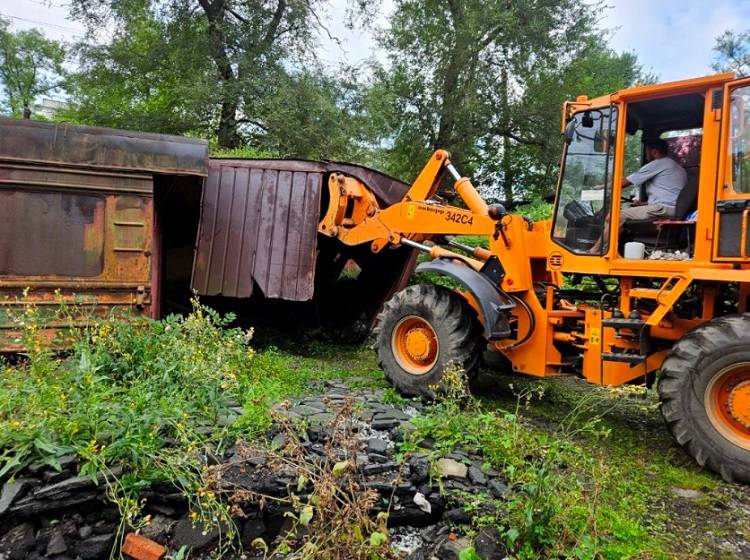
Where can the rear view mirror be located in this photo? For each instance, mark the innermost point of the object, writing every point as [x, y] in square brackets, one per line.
[587, 121]
[601, 138]
[570, 130]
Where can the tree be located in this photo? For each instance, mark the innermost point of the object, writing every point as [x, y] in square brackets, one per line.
[30, 65]
[732, 52]
[310, 115]
[527, 163]
[484, 79]
[153, 75]
[204, 62]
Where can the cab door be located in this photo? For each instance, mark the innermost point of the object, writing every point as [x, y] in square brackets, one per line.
[732, 241]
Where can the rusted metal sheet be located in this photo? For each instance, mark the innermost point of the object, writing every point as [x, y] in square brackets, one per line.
[76, 215]
[91, 147]
[259, 225]
[77, 219]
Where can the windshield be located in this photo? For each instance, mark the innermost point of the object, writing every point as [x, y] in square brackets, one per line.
[585, 187]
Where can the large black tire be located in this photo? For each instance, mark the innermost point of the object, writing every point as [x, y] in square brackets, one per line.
[455, 327]
[690, 383]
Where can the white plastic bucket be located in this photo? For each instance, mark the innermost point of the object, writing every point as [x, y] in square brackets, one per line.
[635, 250]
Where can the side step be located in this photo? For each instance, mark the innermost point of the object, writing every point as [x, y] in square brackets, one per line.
[623, 323]
[623, 357]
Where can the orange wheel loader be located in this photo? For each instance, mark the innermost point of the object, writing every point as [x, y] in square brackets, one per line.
[672, 307]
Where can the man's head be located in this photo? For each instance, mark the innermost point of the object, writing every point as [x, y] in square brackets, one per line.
[656, 149]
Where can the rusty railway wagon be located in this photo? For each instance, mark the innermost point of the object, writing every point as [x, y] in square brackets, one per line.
[123, 222]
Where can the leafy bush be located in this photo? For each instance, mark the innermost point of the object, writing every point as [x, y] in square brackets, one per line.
[127, 389]
[145, 395]
[243, 152]
[538, 209]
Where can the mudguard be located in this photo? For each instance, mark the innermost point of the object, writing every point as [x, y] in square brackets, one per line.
[493, 302]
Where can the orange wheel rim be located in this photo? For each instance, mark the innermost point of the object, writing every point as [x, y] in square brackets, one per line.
[727, 401]
[415, 345]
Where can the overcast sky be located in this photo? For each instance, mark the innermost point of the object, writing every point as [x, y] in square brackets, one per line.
[672, 38]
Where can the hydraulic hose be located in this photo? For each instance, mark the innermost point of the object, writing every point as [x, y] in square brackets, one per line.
[532, 324]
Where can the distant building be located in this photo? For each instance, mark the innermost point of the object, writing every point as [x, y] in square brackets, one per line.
[47, 108]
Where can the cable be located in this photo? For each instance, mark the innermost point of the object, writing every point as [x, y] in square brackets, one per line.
[43, 23]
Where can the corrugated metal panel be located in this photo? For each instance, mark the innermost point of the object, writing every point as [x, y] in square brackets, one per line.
[259, 223]
[387, 189]
[104, 148]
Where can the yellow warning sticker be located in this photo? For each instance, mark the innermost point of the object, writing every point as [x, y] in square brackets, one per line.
[410, 211]
[595, 336]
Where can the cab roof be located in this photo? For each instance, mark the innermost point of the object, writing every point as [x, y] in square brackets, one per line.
[666, 88]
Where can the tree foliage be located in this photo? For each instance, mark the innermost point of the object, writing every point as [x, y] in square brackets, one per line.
[732, 52]
[203, 66]
[30, 65]
[153, 76]
[486, 80]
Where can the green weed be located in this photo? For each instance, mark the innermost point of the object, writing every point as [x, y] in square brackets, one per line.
[557, 507]
[140, 395]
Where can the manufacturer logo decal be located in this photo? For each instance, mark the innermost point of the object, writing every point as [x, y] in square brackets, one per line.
[555, 260]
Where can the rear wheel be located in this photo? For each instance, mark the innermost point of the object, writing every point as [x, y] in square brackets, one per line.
[705, 395]
[423, 330]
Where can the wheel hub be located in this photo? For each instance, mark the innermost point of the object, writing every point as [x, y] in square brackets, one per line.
[739, 403]
[727, 401]
[415, 345]
[418, 344]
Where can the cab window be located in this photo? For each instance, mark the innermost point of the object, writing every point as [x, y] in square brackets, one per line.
[585, 191]
[739, 139]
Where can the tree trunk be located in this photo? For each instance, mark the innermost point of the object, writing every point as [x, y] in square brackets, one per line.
[26, 111]
[508, 176]
[506, 163]
[228, 136]
[227, 133]
[449, 93]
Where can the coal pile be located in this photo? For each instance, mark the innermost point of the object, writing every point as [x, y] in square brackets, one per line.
[50, 514]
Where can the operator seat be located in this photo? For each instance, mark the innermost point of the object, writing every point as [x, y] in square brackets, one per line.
[646, 231]
[685, 150]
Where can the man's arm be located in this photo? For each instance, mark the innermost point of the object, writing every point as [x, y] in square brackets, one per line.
[626, 183]
[644, 174]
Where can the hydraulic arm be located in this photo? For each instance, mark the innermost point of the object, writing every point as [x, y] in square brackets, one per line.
[355, 217]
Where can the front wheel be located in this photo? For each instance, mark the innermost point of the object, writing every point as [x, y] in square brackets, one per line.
[422, 331]
[704, 390]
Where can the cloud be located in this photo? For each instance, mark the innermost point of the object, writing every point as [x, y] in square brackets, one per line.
[674, 39]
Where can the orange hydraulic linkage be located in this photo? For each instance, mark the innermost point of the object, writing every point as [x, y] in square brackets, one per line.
[354, 216]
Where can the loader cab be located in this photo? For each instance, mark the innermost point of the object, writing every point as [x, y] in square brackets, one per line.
[677, 119]
[604, 144]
